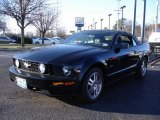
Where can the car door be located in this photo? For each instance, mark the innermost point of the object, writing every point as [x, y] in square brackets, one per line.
[116, 58]
[124, 59]
[135, 54]
[128, 56]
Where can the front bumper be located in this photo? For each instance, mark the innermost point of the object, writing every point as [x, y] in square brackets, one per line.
[45, 82]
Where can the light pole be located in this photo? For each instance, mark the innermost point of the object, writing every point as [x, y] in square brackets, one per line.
[143, 24]
[134, 18]
[101, 23]
[95, 25]
[91, 26]
[118, 10]
[122, 17]
[109, 15]
[157, 5]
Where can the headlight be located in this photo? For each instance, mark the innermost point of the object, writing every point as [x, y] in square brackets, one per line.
[17, 64]
[66, 70]
[42, 68]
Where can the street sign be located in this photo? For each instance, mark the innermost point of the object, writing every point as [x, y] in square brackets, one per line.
[79, 21]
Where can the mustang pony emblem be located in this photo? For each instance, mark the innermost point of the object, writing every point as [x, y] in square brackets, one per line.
[26, 64]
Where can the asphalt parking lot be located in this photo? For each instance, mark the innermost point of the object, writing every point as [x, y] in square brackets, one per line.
[128, 99]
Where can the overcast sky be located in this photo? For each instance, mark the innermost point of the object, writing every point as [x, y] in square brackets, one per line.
[97, 9]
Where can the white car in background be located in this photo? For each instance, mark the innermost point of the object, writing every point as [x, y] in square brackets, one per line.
[154, 38]
[55, 40]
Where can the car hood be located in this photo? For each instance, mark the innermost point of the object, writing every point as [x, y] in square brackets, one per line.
[59, 54]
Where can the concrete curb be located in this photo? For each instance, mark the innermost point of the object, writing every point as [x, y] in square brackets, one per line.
[16, 49]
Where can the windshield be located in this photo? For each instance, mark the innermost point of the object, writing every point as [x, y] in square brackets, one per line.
[99, 39]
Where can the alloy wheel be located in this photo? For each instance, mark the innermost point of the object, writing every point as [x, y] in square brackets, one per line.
[94, 86]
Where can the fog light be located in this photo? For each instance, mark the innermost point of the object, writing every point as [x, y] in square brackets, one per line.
[57, 83]
[42, 68]
[69, 83]
[17, 64]
[63, 83]
[66, 70]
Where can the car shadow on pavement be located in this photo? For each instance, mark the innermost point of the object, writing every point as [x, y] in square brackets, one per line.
[130, 95]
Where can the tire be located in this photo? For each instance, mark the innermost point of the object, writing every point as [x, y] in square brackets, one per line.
[142, 68]
[92, 85]
[37, 43]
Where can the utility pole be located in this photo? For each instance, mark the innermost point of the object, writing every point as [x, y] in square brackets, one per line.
[134, 17]
[156, 23]
[109, 15]
[91, 27]
[101, 23]
[118, 10]
[122, 17]
[95, 25]
[143, 25]
[57, 7]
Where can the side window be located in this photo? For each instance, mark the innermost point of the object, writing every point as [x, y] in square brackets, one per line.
[134, 43]
[130, 40]
[125, 41]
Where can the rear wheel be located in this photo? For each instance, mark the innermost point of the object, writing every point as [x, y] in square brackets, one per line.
[142, 68]
[37, 43]
[92, 85]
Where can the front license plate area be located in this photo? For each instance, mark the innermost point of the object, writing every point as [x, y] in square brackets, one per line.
[21, 82]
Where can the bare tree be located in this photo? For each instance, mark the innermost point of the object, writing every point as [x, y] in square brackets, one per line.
[45, 21]
[2, 25]
[61, 32]
[23, 11]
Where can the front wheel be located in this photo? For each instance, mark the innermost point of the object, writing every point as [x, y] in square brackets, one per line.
[142, 68]
[92, 85]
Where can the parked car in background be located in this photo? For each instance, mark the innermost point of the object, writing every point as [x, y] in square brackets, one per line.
[4, 40]
[16, 38]
[46, 41]
[154, 38]
[154, 41]
[57, 39]
[144, 40]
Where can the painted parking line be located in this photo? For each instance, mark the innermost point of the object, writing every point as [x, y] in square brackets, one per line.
[8, 55]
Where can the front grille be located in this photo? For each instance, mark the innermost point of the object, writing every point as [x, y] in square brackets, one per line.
[29, 66]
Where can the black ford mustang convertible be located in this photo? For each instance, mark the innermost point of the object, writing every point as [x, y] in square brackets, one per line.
[83, 63]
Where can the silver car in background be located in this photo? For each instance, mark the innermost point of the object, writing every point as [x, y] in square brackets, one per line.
[6, 40]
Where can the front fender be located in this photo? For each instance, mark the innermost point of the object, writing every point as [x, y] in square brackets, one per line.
[89, 63]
